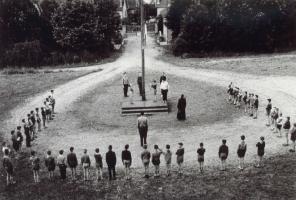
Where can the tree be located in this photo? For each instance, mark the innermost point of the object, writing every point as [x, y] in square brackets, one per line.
[80, 25]
[175, 15]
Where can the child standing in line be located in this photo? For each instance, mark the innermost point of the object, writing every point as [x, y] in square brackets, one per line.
[8, 166]
[223, 154]
[27, 133]
[168, 159]
[230, 92]
[72, 162]
[99, 164]
[286, 128]
[293, 137]
[43, 114]
[249, 104]
[180, 158]
[19, 137]
[256, 106]
[241, 151]
[268, 112]
[131, 94]
[260, 151]
[126, 158]
[156, 160]
[35, 161]
[145, 156]
[38, 119]
[85, 162]
[50, 164]
[154, 87]
[200, 157]
[245, 99]
[279, 124]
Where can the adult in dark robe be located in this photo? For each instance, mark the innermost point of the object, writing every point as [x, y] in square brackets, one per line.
[181, 115]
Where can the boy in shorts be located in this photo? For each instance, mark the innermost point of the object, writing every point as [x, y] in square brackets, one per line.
[200, 157]
[168, 159]
[256, 106]
[180, 158]
[35, 161]
[286, 129]
[156, 160]
[223, 154]
[8, 166]
[279, 124]
[99, 164]
[245, 100]
[268, 112]
[260, 151]
[145, 156]
[72, 162]
[85, 162]
[126, 158]
[293, 137]
[50, 164]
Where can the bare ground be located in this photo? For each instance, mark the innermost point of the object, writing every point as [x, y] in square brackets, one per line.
[274, 182]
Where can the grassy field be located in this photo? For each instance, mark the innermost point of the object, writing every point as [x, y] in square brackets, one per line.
[266, 64]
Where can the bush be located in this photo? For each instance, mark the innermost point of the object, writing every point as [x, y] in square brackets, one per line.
[28, 54]
[80, 25]
[179, 46]
[239, 26]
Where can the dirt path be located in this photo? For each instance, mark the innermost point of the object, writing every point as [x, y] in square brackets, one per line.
[69, 92]
[280, 89]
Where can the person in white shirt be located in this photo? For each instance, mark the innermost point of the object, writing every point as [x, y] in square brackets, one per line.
[279, 124]
[164, 87]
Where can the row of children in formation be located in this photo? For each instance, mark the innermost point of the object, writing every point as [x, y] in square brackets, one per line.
[275, 118]
[249, 101]
[71, 161]
[33, 123]
[31, 126]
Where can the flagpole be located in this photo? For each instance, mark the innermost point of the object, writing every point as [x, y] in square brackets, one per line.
[142, 49]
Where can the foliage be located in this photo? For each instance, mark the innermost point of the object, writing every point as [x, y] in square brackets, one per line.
[175, 15]
[239, 26]
[24, 54]
[79, 25]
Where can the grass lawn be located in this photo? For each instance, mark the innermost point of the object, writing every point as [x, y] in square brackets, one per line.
[266, 64]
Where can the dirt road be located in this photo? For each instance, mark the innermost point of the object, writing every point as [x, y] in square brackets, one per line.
[280, 89]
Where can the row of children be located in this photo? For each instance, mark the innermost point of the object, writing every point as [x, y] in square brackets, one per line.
[33, 123]
[71, 161]
[249, 101]
[280, 125]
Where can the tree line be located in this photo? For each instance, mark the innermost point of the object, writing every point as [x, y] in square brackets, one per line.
[51, 32]
[232, 25]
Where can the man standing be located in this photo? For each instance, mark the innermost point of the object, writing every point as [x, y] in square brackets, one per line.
[111, 162]
[125, 82]
[164, 88]
[139, 81]
[143, 128]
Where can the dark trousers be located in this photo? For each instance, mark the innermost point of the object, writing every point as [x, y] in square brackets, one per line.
[164, 95]
[63, 171]
[43, 119]
[140, 89]
[143, 135]
[112, 173]
[125, 89]
[28, 141]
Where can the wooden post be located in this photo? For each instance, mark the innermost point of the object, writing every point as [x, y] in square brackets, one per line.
[143, 49]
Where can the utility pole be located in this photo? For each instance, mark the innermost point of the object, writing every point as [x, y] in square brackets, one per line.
[143, 49]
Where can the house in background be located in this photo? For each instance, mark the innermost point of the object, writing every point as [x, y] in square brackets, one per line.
[161, 29]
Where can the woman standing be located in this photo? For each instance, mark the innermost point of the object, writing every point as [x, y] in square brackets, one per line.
[181, 115]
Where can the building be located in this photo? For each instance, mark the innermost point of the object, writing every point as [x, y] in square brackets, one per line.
[161, 29]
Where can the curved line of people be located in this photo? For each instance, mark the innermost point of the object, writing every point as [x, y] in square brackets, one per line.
[31, 126]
